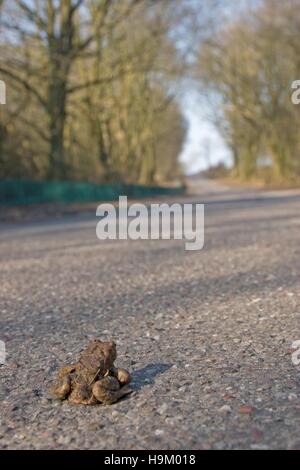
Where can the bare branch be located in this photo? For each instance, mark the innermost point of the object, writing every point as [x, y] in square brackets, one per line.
[26, 85]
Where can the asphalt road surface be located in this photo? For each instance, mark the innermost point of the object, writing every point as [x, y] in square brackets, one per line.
[206, 334]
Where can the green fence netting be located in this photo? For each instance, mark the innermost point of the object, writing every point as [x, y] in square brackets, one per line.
[21, 192]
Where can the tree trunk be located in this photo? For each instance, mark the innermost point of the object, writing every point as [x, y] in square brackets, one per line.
[57, 115]
[60, 49]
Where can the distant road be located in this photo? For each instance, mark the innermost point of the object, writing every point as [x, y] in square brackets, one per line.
[207, 334]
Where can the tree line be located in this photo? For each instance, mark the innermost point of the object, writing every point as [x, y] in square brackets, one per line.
[90, 90]
[91, 86]
[247, 68]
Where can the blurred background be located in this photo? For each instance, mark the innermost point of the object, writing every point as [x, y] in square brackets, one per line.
[189, 101]
[145, 91]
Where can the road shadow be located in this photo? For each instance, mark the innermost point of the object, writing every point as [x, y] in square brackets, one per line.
[146, 375]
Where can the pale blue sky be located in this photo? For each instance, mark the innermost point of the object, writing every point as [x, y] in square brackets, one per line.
[204, 145]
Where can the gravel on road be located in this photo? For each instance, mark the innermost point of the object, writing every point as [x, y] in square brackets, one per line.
[207, 335]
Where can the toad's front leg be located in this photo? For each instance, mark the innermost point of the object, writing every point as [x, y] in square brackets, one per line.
[108, 390]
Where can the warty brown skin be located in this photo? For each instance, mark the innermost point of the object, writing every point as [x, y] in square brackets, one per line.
[93, 379]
